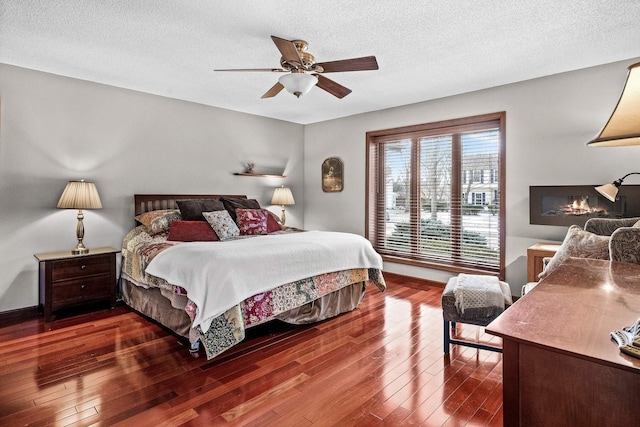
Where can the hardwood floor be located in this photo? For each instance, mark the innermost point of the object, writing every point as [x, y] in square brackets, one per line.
[381, 364]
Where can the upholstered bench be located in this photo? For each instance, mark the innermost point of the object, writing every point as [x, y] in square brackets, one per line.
[480, 316]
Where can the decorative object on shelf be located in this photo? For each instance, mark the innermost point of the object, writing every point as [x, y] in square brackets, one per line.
[249, 168]
[80, 195]
[282, 196]
[623, 127]
[332, 170]
[610, 191]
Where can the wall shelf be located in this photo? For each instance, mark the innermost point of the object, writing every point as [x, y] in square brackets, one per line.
[260, 174]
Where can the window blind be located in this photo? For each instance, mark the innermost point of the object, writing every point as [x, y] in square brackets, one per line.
[435, 193]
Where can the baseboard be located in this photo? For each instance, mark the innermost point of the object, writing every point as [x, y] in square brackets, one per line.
[12, 317]
[412, 282]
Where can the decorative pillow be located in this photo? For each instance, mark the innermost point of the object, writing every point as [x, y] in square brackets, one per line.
[191, 231]
[158, 221]
[222, 224]
[581, 244]
[232, 204]
[273, 222]
[251, 221]
[191, 210]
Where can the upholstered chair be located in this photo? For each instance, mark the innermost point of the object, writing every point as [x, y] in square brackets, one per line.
[624, 243]
[602, 238]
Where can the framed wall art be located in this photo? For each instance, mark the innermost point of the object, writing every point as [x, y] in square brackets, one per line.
[332, 175]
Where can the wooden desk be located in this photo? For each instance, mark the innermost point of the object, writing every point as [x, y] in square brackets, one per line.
[560, 365]
[535, 256]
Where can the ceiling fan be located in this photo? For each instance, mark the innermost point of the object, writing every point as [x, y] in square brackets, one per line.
[303, 72]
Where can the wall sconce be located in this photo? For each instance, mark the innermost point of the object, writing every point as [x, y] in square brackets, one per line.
[282, 196]
[610, 191]
[80, 195]
[623, 127]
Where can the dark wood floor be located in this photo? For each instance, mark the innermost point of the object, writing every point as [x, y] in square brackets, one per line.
[381, 364]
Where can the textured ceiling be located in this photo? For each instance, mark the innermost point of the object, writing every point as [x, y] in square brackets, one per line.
[425, 49]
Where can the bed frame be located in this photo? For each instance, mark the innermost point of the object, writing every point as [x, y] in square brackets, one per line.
[152, 202]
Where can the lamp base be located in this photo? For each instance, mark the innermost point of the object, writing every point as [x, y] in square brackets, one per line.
[80, 249]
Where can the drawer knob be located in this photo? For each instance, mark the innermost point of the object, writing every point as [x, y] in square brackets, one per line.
[83, 286]
[83, 267]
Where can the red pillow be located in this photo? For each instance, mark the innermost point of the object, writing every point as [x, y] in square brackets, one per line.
[273, 223]
[251, 221]
[191, 231]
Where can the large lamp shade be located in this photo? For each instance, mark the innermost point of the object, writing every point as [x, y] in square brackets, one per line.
[623, 127]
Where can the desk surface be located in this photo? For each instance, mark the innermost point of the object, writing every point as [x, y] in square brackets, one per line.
[574, 310]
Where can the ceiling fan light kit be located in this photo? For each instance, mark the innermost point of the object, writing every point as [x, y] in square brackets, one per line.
[304, 72]
[299, 83]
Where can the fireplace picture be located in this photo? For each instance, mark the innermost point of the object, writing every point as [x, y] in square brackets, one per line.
[575, 204]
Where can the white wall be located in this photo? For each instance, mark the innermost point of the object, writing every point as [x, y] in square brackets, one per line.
[548, 122]
[54, 129]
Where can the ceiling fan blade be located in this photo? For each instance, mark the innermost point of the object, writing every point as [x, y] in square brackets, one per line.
[272, 70]
[275, 89]
[355, 64]
[287, 49]
[332, 87]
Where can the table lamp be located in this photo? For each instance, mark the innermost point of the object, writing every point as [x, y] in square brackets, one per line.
[282, 196]
[80, 195]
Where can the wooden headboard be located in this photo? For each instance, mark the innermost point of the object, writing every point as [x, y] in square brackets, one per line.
[153, 202]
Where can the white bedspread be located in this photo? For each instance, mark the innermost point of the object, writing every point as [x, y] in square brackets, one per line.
[220, 275]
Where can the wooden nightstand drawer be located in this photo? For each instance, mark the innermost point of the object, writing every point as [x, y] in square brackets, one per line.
[70, 292]
[80, 267]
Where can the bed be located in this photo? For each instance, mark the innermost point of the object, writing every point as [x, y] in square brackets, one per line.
[210, 291]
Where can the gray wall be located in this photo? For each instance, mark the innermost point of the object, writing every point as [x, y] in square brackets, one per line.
[548, 122]
[54, 129]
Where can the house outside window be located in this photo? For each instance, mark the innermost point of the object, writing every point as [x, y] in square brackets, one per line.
[429, 202]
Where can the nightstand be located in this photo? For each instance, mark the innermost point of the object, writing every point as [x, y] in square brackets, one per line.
[535, 258]
[68, 280]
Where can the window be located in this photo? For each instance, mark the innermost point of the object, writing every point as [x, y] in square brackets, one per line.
[435, 194]
[478, 199]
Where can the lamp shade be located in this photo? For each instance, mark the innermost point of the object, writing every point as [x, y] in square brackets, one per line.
[298, 83]
[623, 127]
[80, 195]
[282, 196]
[610, 191]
